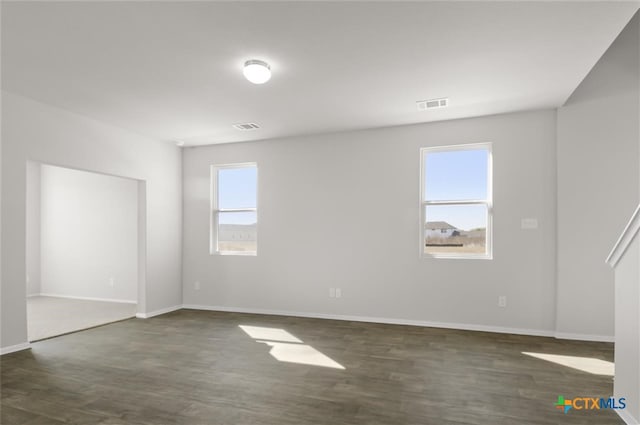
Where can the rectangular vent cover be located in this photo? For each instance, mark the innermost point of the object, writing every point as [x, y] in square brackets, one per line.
[423, 105]
[246, 126]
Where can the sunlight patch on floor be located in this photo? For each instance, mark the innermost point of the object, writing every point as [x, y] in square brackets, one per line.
[301, 354]
[272, 334]
[289, 349]
[585, 364]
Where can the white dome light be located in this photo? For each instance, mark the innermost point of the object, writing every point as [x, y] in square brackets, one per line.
[257, 71]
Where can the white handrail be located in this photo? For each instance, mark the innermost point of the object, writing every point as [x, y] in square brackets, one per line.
[625, 239]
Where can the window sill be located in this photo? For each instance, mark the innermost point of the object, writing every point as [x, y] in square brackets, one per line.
[457, 257]
[239, 254]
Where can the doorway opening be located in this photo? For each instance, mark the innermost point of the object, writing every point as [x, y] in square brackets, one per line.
[85, 250]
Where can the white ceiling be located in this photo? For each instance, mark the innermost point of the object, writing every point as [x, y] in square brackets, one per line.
[172, 70]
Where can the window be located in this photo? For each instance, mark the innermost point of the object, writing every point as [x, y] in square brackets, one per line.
[456, 202]
[234, 209]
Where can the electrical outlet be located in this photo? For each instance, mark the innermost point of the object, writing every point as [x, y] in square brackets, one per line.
[196, 285]
[112, 282]
[502, 301]
[338, 293]
[332, 292]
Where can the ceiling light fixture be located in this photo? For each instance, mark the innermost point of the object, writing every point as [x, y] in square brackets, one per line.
[257, 71]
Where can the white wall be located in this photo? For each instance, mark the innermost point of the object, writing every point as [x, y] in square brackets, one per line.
[33, 229]
[598, 184]
[627, 329]
[598, 189]
[38, 132]
[320, 197]
[89, 234]
[620, 69]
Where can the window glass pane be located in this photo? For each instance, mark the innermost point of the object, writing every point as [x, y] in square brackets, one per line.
[237, 187]
[456, 175]
[237, 231]
[455, 229]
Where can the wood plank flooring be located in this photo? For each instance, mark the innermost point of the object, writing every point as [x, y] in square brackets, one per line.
[197, 367]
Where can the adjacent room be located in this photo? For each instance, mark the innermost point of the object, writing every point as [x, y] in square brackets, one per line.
[82, 250]
[320, 212]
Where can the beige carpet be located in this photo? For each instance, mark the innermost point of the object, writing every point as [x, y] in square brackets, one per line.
[52, 316]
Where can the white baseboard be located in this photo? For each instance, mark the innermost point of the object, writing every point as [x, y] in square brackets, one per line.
[626, 417]
[585, 337]
[14, 348]
[459, 326]
[72, 297]
[158, 312]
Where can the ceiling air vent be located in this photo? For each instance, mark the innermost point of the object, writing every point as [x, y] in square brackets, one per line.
[423, 105]
[246, 126]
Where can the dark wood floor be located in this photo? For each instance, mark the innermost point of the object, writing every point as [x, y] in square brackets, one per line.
[196, 367]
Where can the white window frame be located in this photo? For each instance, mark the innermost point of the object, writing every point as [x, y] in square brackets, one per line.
[214, 248]
[488, 202]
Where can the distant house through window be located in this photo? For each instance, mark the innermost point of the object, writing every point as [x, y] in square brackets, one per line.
[234, 209]
[456, 201]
